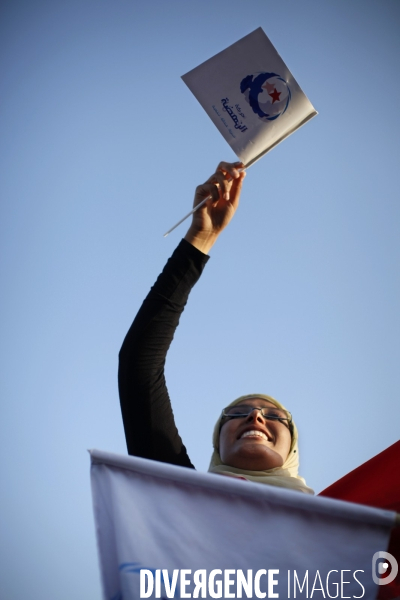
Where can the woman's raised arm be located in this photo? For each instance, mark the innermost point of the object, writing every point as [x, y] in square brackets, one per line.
[149, 424]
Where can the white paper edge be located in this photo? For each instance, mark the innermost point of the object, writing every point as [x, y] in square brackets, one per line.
[229, 485]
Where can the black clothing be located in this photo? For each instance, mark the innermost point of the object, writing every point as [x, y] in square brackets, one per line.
[149, 424]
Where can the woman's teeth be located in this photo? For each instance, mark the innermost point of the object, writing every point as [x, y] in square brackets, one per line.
[255, 433]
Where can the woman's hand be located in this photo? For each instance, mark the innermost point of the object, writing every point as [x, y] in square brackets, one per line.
[224, 186]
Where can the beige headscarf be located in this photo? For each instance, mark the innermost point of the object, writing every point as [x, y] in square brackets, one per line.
[285, 476]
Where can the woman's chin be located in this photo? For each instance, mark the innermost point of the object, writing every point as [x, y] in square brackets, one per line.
[255, 457]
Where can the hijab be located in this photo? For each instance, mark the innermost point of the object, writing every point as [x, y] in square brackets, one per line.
[285, 476]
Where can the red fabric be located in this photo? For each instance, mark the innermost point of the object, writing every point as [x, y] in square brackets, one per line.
[375, 483]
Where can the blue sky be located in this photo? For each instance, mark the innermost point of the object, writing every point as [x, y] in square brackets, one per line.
[101, 148]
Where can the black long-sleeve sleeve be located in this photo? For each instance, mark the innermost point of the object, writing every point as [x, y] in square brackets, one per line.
[148, 418]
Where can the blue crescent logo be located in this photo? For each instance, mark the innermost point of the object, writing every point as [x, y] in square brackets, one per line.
[267, 93]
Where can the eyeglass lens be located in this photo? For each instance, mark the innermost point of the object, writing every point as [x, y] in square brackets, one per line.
[267, 412]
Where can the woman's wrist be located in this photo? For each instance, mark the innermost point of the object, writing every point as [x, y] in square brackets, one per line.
[201, 240]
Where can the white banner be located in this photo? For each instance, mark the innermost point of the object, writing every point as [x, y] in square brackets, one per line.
[166, 531]
[250, 95]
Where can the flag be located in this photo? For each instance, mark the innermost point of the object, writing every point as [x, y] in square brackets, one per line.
[165, 531]
[250, 95]
[376, 483]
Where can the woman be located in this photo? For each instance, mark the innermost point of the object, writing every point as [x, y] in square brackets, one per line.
[255, 437]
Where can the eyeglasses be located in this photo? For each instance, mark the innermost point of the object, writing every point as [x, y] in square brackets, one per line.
[268, 412]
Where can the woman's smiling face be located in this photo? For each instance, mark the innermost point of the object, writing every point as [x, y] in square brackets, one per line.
[254, 443]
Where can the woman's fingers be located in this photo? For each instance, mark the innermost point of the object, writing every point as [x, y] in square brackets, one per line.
[216, 186]
[223, 178]
[206, 189]
[224, 184]
[231, 169]
[236, 189]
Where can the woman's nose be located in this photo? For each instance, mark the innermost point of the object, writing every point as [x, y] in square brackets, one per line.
[256, 415]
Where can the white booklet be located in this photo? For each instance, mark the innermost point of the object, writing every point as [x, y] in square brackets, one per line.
[251, 96]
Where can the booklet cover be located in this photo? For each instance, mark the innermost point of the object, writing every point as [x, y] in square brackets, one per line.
[251, 96]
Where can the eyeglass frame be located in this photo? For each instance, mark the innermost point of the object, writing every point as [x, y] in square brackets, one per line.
[288, 423]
